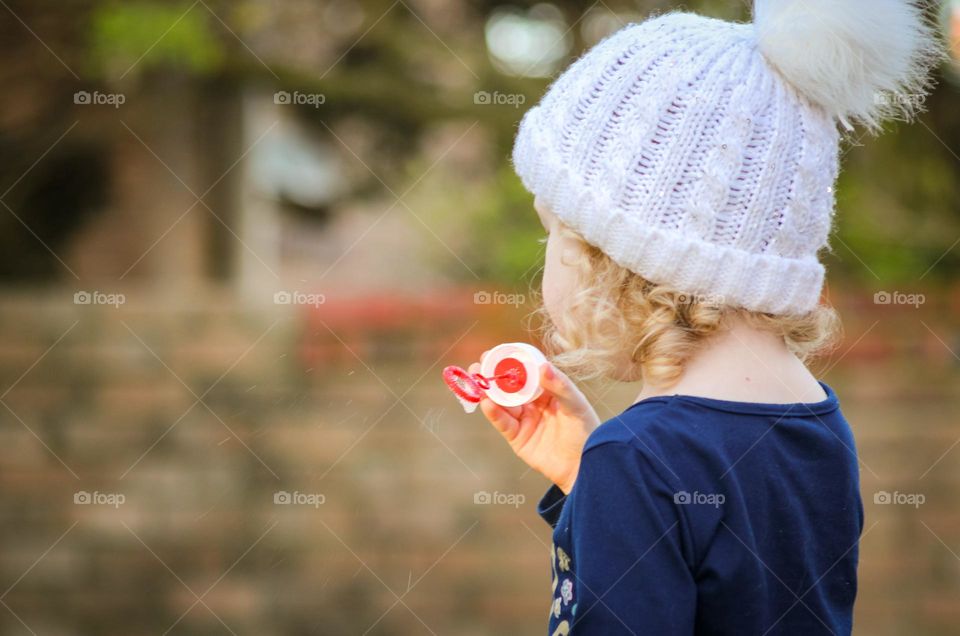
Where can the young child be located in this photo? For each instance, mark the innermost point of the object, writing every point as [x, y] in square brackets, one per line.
[684, 169]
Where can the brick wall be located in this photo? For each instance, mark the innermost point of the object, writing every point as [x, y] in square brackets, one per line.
[184, 420]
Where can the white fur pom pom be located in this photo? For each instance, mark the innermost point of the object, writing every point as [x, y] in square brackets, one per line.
[863, 61]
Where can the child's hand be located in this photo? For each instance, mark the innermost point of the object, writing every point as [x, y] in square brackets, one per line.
[548, 433]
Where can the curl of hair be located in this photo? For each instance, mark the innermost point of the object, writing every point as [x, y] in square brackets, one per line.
[616, 324]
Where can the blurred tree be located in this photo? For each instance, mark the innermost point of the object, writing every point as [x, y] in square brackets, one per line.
[396, 71]
[142, 35]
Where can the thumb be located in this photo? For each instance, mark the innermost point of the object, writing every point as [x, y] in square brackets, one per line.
[562, 387]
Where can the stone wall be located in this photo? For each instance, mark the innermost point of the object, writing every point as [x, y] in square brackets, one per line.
[189, 425]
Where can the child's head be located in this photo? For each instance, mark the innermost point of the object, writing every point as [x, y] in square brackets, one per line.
[686, 166]
[599, 319]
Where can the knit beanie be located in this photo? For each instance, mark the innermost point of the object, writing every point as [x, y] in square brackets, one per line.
[702, 154]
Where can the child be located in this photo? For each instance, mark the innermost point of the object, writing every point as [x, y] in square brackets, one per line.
[684, 169]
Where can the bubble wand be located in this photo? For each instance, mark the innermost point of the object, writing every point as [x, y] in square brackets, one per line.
[509, 375]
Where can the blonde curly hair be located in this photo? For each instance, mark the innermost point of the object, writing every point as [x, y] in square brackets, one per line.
[616, 316]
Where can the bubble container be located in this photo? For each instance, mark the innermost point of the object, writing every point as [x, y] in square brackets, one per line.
[509, 375]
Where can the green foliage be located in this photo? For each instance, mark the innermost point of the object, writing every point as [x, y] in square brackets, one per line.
[505, 231]
[896, 220]
[141, 35]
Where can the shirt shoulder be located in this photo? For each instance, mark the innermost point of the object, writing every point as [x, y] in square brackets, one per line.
[683, 451]
[640, 419]
[665, 444]
[659, 428]
[686, 436]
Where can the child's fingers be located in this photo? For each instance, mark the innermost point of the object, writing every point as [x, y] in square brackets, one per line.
[502, 420]
[515, 411]
[529, 420]
[542, 402]
[562, 387]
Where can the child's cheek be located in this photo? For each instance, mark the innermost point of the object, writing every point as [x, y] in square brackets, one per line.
[557, 278]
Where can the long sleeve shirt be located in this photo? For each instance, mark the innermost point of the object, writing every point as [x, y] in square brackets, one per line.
[699, 516]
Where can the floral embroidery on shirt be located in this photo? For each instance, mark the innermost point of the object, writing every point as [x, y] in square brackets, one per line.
[560, 562]
[553, 568]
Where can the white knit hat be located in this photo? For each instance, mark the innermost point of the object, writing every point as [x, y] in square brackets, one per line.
[702, 154]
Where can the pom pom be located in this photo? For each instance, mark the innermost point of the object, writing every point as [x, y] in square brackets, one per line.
[863, 61]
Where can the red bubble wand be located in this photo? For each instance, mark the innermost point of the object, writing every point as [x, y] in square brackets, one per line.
[509, 376]
[470, 388]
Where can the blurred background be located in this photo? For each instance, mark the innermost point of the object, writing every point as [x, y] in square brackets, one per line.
[241, 239]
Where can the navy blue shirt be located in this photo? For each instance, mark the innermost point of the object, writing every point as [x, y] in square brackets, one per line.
[694, 515]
